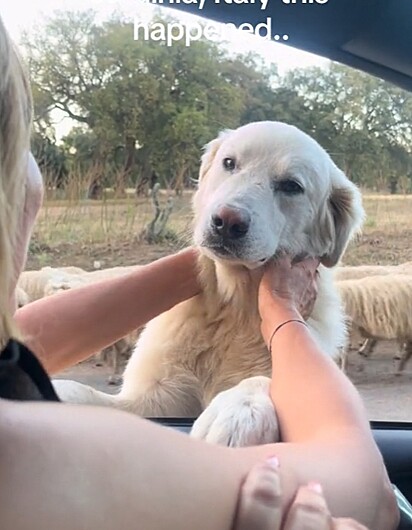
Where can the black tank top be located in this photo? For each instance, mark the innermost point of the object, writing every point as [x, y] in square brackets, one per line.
[22, 377]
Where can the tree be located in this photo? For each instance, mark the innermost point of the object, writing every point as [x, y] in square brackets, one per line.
[51, 159]
[364, 122]
[142, 106]
[136, 97]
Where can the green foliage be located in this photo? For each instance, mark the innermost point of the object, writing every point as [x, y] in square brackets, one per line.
[365, 123]
[142, 106]
[51, 160]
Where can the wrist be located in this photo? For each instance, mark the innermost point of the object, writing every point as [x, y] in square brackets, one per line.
[274, 314]
[276, 308]
[290, 323]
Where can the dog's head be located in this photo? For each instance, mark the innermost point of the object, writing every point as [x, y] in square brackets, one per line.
[268, 187]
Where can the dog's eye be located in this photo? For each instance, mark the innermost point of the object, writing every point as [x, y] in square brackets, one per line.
[291, 187]
[229, 163]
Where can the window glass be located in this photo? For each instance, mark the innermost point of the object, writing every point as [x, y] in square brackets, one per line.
[124, 101]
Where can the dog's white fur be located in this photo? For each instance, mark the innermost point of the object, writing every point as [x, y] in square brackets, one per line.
[194, 355]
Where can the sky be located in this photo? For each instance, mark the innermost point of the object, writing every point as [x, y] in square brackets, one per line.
[21, 15]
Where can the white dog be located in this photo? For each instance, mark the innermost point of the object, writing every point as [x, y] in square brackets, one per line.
[263, 188]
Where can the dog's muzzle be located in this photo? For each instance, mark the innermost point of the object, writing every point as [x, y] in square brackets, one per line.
[230, 223]
[227, 235]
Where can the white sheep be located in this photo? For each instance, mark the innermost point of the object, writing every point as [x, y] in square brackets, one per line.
[72, 281]
[38, 284]
[113, 272]
[362, 271]
[69, 270]
[49, 280]
[22, 298]
[380, 307]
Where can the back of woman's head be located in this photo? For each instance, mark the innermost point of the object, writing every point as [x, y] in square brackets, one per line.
[15, 121]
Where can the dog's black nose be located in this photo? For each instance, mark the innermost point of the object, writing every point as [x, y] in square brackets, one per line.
[231, 223]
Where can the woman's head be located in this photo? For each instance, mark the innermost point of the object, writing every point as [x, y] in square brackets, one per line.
[15, 123]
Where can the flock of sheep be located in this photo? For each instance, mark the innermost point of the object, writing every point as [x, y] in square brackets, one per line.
[377, 301]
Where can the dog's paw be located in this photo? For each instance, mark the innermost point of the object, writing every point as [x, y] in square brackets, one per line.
[79, 394]
[241, 416]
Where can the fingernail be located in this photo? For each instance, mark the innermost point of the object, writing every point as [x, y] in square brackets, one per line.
[315, 486]
[273, 462]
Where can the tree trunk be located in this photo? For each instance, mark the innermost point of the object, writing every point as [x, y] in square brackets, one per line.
[97, 171]
[123, 175]
[393, 185]
[180, 181]
[156, 229]
[143, 183]
[95, 191]
[120, 184]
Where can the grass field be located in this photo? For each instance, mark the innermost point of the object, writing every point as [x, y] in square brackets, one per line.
[82, 232]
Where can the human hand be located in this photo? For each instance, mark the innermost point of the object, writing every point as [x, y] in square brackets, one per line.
[287, 291]
[260, 505]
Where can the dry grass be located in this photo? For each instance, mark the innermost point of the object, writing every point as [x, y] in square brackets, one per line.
[107, 221]
[387, 232]
[388, 212]
[76, 232]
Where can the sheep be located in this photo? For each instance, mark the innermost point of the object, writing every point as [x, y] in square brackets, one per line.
[362, 271]
[380, 307]
[22, 298]
[112, 355]
[367, 349]
[71, 281]
[369, 346]
[69, 270]
[113, 272]
[48, 280]
[38, 284]
[77, 280]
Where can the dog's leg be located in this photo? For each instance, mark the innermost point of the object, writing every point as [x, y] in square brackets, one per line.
[80, 394]
[177, 394]
[241, 416]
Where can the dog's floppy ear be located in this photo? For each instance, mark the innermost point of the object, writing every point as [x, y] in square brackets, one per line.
[209, 152]
[341, 217]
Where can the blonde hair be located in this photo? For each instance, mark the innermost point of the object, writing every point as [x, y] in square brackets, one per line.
[15, 126]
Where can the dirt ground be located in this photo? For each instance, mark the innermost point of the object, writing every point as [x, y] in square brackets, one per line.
[387, 397]
[386, 239]
[107, 255]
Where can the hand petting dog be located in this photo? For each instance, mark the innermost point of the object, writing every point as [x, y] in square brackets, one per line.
[290, 289]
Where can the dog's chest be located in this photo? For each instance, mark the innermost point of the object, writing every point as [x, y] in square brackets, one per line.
[235, 351]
